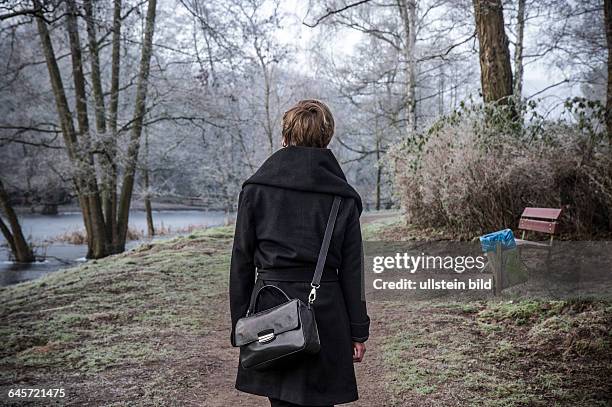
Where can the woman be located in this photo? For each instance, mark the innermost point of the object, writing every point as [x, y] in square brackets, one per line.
[282, 213]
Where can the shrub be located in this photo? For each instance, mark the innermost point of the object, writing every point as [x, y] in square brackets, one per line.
[475, 170]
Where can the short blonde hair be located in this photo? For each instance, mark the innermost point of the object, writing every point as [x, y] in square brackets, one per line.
[309, 123]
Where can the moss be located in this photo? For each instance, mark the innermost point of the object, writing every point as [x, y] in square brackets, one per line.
[536, 353]
[504, 351]
[521, 312]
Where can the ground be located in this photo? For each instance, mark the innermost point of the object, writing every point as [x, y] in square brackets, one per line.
[151, 327]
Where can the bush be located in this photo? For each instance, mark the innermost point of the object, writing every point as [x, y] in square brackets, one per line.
[475, 170]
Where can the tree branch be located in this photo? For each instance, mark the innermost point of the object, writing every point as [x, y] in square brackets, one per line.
[332, 12]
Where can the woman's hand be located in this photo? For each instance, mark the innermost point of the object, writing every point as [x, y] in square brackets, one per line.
[359, 350]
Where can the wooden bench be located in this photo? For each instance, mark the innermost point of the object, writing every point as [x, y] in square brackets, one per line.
[542, 220]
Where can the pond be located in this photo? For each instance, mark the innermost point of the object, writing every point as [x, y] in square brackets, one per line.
[41, 228]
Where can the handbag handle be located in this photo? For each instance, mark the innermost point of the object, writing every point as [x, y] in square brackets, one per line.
[329, 229]
[255, 299]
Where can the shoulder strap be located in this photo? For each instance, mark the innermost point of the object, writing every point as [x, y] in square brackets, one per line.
[329, 229]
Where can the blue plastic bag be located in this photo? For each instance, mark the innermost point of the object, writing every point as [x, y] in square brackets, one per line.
[504, 237]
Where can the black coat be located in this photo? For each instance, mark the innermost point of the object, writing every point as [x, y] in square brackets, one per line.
[282, 212]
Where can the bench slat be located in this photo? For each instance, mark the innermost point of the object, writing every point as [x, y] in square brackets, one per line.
[521, 242]
[542, 213]
[538, 226]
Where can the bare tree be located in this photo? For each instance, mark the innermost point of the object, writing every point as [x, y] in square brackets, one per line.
[79, 144]
[125, 201]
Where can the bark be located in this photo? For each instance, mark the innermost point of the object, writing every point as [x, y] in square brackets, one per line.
[378, 173]
[65, 115]
[441, 88]
[6, 232]
[77, 71]
[96, 82]
[149, 209]
[147, 197]
[107, 158]
[110, 175]
[139, 112]
[407, 10]
[268, 126]
[608, 27]
[518, 52]
[97, 238]
[495, 68]
[61, 102]
[17, 242]
[83, 172]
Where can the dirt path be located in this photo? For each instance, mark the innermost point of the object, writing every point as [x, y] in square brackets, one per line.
[219, 383]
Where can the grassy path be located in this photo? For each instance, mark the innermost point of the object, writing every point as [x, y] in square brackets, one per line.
[150, 327]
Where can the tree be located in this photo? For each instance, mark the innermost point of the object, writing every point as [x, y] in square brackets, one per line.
[106, 234]
[123, 212]
[495, 68]
[608, 29]
[12, 232]
[147, 187]
[518, 51]
[407, 10]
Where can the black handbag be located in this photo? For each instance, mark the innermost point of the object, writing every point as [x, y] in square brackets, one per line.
[270, 336]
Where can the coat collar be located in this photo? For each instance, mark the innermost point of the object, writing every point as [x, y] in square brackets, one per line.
[307, 169]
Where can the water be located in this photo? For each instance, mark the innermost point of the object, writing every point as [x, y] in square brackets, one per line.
[41, 228]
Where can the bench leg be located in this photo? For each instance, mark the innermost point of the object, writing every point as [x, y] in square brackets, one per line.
[497, 271]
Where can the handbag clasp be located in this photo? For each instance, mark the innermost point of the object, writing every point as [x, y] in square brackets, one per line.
[266, 338]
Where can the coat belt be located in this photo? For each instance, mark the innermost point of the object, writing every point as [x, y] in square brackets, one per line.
[297, 274]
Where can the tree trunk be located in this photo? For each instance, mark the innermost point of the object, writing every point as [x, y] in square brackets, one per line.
[65, 116]
[139, 112]
[6, 232]
[105, 141]
[378, 173]
[110, 174]
[518, 52]
[407, 10]
[83, 174]
[608, 27]
[17, 242]
[266, 71]
[495, 68]
[96, 82]
[88, 169]
[441, 89]
[149, 209]
[147, 196]
[269, 125]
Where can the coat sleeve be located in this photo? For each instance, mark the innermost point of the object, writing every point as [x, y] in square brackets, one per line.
[242, 267]
[351, 278]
